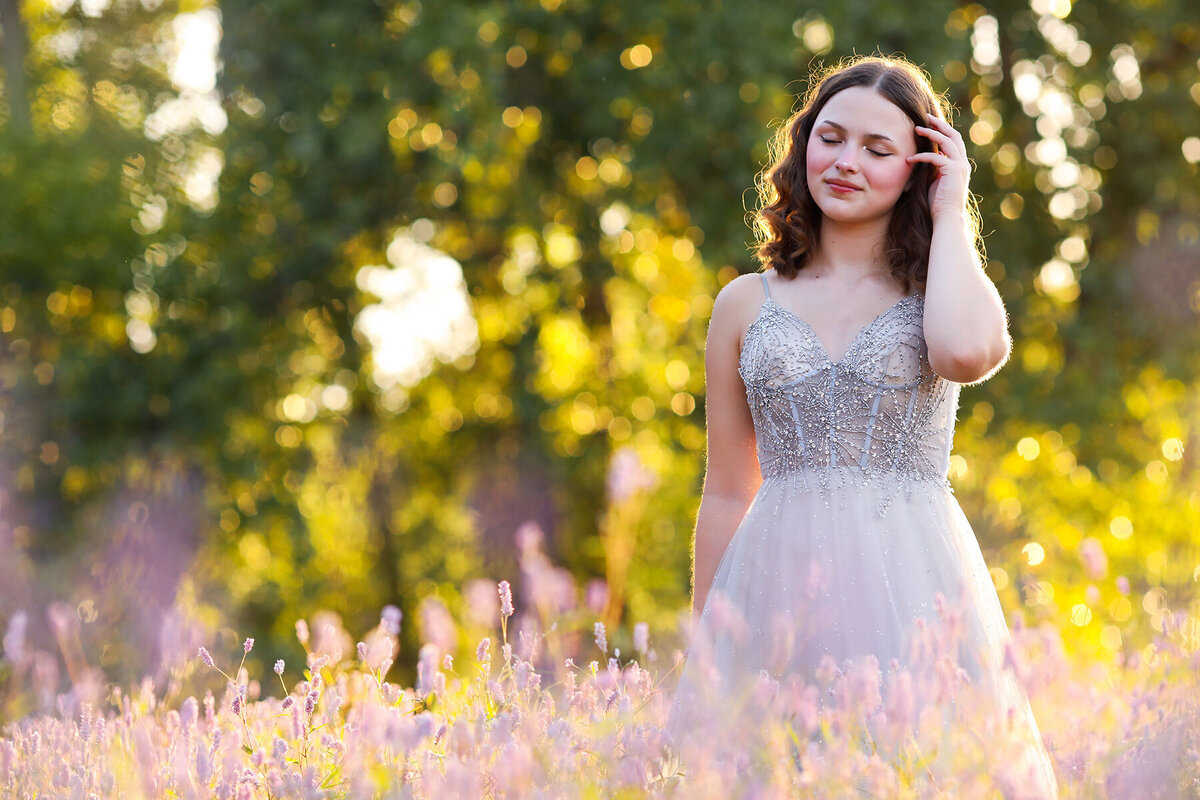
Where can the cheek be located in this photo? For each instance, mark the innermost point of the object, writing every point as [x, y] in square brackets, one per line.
[812, 168]
[815, 161]
[892, 173]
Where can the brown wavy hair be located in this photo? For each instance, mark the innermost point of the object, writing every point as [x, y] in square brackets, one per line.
[787, 223]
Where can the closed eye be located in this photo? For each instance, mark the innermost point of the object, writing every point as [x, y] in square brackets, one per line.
[875, 153]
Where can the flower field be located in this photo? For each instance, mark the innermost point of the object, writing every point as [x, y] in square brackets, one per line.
[512, 721]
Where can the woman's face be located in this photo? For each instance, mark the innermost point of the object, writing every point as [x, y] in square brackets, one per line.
[856, 164]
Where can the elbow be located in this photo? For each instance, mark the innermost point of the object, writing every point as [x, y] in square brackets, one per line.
[739, 497]
[971, 366]
[734, 491]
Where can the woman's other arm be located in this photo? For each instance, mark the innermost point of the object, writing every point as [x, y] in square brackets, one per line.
[731, 476]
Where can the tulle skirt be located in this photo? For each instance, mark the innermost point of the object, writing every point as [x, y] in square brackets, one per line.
[834, 588]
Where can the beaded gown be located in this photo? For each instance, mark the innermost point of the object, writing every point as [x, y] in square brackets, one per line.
[855, 529]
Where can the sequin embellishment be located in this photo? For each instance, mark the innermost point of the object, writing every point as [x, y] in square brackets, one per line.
[880, 414]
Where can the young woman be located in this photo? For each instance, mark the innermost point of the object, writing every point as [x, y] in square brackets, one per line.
[827, 525]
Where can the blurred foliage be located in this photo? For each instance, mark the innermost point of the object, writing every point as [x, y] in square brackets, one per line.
[191, 404]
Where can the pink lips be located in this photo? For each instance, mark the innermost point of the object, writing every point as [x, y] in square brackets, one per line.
[842, 187]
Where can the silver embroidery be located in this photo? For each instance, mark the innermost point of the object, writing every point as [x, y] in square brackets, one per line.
[880, 415]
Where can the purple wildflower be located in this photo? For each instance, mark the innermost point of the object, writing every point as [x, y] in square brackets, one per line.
[426, 668]
[14, 640]
[279, 667]
[484, 651]
[596, 595]
[287, 701]
[1095, 560]
[390, 618]
[189, 712]
[529, 537]
[641, 637]
[85, 723]
[438, 625]
[206, 658]
[481, 602]
[248, 645]
[601, 637]
[902, 704]
[506, 602]
[627, 475]
[302, 631]
[362, 650]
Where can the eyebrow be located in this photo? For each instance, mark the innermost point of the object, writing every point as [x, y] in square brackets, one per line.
[833, 124]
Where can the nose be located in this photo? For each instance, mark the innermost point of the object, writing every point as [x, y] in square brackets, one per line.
[847, 161]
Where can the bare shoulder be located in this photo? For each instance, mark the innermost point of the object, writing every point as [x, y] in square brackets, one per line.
[736, 306]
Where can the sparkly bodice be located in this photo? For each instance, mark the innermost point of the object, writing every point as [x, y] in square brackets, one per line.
[880, 410]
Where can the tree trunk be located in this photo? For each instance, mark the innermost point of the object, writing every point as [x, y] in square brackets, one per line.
[14, 46]
[380, 500]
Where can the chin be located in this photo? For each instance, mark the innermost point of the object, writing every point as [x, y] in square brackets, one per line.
[853, 212]
[855, 215]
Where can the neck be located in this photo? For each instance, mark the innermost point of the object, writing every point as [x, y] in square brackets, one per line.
[852, 251]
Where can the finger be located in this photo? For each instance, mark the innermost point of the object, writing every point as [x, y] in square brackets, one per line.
[932, 158]
[945, 141]
[943, 125]
[946, 129]
[933, 133]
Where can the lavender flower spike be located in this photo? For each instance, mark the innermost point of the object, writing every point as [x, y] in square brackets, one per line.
[279, 667]
[390, 619]
[641, 637]
[248, 646]
[506, 602]
[206, 658]
[601, 637]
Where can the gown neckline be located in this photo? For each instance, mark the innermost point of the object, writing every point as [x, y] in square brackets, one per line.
[853, 342]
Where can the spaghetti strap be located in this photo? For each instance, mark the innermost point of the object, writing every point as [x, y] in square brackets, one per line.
[766, 288]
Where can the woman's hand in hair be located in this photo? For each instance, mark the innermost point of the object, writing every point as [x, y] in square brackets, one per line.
[948, 192]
